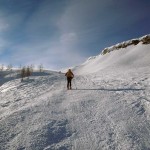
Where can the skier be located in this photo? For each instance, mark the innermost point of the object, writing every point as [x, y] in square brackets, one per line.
[69, 76]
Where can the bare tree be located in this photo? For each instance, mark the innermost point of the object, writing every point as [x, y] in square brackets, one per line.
[9, 67]
[2, 67]
[23, 73]
[31, 68]
[19, 69]
[28, 71]
[41, 68]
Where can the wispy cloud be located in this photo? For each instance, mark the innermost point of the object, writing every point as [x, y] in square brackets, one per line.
[3, 25]
[45, 42]
[64, 33]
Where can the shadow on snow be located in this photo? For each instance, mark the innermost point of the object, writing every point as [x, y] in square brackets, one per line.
[118, 89]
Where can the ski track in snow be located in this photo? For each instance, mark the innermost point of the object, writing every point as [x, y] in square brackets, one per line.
[102, 113]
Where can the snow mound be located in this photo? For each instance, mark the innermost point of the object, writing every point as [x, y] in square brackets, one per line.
[128, 55]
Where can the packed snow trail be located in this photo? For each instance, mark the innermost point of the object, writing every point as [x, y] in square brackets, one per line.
[110, 120]
[103, 113]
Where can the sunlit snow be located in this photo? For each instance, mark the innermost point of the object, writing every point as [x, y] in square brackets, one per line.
[108, 108]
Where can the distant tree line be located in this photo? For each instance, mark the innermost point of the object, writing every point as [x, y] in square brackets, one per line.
[27, 71]
[24, 71]
[7, 68]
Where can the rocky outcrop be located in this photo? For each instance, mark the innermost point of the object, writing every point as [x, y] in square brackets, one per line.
[144, 40]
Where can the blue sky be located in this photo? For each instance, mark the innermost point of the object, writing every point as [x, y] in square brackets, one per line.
[64, 33]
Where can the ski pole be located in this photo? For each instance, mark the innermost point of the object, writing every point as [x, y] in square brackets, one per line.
[65, 82]
[74, 84]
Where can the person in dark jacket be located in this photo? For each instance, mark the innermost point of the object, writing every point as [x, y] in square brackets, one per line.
[69, 76]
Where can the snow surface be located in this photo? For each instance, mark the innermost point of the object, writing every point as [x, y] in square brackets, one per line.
[108, 108]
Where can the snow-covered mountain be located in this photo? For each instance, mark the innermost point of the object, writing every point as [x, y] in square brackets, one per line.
[109, 108]
[127, 55]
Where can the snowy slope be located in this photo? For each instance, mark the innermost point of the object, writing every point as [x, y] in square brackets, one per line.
[109, 110]
[130, 57]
